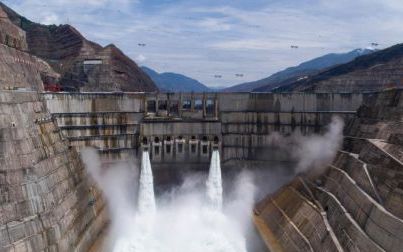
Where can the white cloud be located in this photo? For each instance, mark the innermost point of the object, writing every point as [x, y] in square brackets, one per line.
[140, 58]
[263, 44]
[203, 38]
[214, 24]
[50, 19]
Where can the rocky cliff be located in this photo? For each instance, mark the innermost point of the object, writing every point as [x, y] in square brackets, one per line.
[356, 204]
[47, 202]
[10, 34]
[82, 64]
[19, 69]
[377, 71]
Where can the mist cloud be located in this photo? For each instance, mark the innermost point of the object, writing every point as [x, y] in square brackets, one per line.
[312, 153]
[315, 152]
[119, 185]
[184, 220]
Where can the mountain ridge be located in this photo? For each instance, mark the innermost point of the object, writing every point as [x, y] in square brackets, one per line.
[309, 67]
[373, 72]
[175, 82]
[67, 50]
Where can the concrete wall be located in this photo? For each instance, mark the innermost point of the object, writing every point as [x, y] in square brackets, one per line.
[94, 102]
[289, 102]
[241, 122]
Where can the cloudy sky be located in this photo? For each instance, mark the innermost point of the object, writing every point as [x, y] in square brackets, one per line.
[204, 38]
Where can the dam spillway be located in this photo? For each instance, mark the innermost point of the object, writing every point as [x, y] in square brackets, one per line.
[211, 162]
[146, 198]
[179, 132]
[221, 133]
[214, 182]
[195, 214]
[184, 127]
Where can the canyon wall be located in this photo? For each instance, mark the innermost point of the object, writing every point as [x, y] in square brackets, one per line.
[82, 64]
[10, 34]
[47, 202]
[356, 204]
[19, 70]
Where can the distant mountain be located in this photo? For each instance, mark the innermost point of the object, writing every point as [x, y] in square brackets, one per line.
[380, 70]
[174, 82]
[291, 74]
[216, 89]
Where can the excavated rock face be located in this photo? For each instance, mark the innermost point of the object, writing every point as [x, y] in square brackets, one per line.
[83, 65]
[11, 34]
[19, 69]
[374, 72]
[46, 200]
[357, 204]
[109, 70]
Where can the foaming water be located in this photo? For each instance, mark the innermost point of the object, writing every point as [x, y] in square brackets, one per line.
[146, 199]
[186, 222]
[195, 216]
[214, 182]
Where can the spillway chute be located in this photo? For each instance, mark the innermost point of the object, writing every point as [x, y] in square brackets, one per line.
[146, 199]
[214, 182]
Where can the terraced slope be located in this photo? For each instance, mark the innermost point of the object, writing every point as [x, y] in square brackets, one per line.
[373, 72]
[302, 71]
[357, 202]
[47, 202]
[45, 194]
[82, 64]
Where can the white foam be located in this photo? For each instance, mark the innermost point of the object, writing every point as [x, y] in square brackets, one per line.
[214, 182]
[183, 223]
[146, 199]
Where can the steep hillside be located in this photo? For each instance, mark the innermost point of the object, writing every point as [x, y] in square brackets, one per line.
[47, 201]
[83, 65]
[304, 69]
[174, 82]
[19, 69]
[356, 204]
[380, 70]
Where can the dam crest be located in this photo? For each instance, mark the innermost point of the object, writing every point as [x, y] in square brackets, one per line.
[186, 127]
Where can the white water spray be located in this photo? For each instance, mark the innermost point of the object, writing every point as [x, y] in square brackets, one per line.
[146, 200]
[214, 182]
[181, 223]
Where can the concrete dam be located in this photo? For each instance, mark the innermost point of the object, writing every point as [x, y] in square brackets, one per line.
[184, 127]
[50, 202]
[48, 199]
[153, 171]
[180, 131]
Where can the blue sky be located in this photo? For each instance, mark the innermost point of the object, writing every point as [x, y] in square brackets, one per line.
[225, 37]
